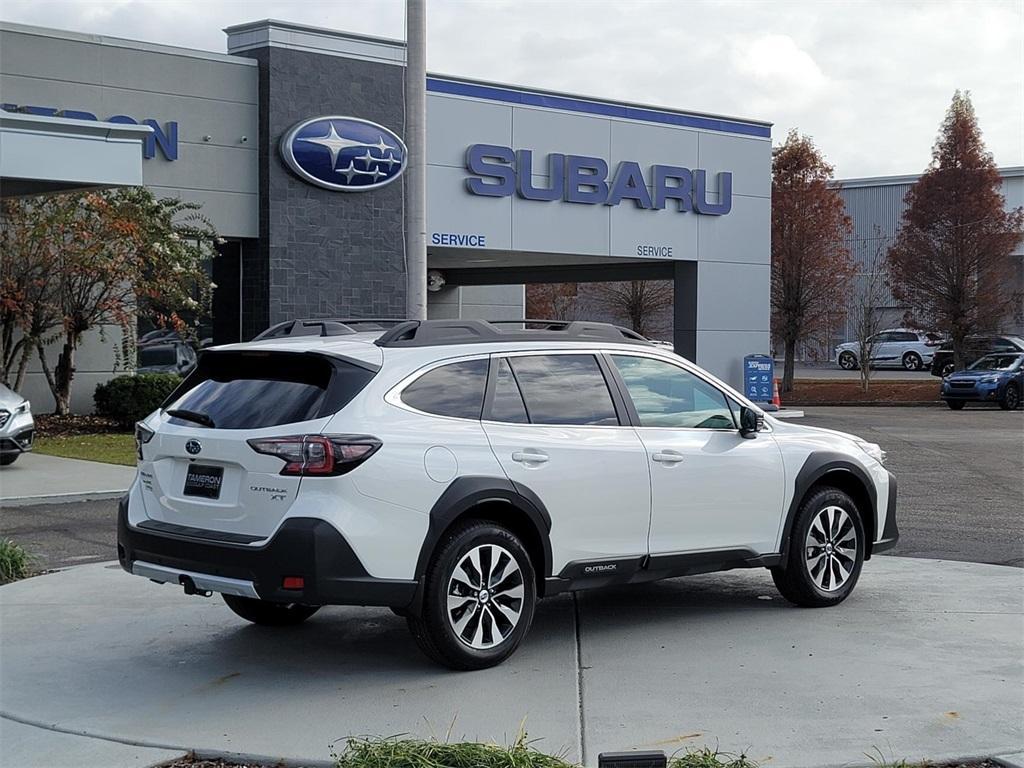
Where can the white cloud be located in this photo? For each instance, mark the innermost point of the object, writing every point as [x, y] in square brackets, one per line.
[869, 80]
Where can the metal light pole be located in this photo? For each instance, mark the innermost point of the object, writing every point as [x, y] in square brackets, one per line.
[416, 162]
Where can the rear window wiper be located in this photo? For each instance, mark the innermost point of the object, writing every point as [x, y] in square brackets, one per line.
[198, 418]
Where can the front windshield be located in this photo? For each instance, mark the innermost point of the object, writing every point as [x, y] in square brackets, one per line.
[998, 363]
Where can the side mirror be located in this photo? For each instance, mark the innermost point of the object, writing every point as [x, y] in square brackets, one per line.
[751, 422]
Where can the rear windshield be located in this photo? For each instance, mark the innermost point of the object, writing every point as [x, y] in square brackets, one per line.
[250, 390]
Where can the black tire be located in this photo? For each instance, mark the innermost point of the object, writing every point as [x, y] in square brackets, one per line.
[947, 369]
[956, 405]
[8, 458]
[794, 577]
[1011, 398]
[848, 361]
[912, 361]
[269, 614]
[434, 629]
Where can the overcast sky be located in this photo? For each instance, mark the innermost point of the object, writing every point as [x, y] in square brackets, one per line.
[870, 81]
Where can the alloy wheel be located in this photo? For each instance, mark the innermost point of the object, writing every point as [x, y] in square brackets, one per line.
[485, 596]
[830, 548]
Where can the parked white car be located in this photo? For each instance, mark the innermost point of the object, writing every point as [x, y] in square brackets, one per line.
[892, 348]
[456, 471]
[17, 427]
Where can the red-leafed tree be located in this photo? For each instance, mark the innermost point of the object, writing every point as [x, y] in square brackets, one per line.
[952, 259]
[811, 266]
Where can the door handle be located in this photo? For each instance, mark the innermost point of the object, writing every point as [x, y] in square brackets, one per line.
[529, 457]
[668, 457]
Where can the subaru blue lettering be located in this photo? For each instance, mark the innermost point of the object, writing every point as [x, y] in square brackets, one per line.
[502, 172]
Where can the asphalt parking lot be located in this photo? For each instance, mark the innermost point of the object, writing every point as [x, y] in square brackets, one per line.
[960, 489]
[960, 474]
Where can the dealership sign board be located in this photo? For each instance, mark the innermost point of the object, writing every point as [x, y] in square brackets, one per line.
[501, 172]
[165, 137]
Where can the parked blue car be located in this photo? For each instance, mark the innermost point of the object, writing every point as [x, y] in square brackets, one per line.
[997, 378]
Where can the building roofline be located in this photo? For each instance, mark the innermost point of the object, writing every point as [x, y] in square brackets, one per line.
[1007, 172]
[598, 100]
[121, 42]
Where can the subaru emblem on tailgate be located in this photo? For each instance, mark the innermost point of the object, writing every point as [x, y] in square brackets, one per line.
[193, 447]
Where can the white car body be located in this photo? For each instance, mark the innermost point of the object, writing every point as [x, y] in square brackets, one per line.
[596, 504]
[892, 348]
[17, 427]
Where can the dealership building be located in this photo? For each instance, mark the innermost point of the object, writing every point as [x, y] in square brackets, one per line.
[291, 142]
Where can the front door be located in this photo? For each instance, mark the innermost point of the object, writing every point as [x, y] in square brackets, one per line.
[712, 489]
[554, 428]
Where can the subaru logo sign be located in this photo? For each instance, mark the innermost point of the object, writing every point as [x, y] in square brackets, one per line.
[345, 154]
[193, 447]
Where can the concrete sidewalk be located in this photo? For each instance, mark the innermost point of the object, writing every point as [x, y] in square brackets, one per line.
[926, 659]
[35, 478]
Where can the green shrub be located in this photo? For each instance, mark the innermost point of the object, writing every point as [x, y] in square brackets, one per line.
[14, 561]
[126, 399]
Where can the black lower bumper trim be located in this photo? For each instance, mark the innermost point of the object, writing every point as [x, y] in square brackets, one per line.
[890, 532]
[306, 547]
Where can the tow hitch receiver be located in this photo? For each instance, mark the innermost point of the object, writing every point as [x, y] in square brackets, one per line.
[191, 588]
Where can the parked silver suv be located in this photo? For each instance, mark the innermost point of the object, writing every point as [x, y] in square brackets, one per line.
[892, 348]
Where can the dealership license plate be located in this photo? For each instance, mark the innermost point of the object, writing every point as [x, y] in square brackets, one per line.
[203, 481]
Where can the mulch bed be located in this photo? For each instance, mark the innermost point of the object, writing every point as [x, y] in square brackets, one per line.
[843, 391]
[195, 762]
[69, 426]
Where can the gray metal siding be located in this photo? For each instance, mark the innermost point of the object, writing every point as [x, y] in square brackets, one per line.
[207, 95]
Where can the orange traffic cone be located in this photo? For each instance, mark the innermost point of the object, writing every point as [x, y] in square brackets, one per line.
[776, 400]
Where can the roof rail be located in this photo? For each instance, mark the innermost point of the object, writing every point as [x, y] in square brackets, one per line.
[428, 333]
[326, 326]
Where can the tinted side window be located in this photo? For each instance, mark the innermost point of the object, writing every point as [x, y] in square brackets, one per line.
[564, 389]
[883, 337]
[666, 395]
[903, 336]
[455, 390]
[507, 404]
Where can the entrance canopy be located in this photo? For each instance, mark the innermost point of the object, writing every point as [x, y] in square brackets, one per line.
[42, 155]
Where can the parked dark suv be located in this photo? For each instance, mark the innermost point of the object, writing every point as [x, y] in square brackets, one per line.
[976, 348]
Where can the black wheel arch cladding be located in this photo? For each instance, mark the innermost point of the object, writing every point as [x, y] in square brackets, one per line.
[839, 471]
[499, 499]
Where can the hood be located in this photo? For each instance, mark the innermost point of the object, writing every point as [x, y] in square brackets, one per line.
[975, 375]
[9, 400]
[785, 425]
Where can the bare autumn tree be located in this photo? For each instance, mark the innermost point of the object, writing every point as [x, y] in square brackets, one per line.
[952, 258]
[811, 265]
[867, 297]
[639, 303]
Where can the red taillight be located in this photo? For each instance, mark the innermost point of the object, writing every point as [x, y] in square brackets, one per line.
[293, 582]
[317, 454]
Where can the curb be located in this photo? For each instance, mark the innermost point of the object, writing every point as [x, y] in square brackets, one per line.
[870, 404]
[62, 498]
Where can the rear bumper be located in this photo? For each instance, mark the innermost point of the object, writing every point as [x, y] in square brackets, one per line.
[306, 547]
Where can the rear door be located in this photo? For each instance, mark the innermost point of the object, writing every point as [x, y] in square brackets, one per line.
[555, 428]
[199, 469]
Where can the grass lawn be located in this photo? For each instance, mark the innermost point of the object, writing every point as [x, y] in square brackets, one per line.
[109, 447]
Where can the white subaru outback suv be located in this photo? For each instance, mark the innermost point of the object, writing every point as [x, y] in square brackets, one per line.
[457, 471]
